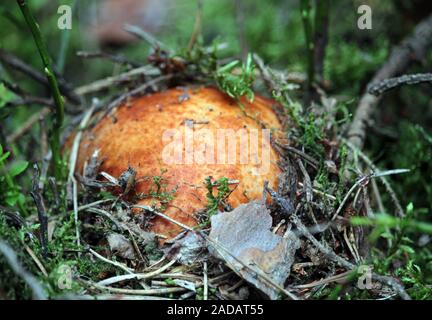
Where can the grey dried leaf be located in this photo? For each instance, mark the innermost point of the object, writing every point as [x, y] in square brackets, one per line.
[246, 233]
[121, 246]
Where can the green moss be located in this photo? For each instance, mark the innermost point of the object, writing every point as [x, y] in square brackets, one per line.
[223, 190]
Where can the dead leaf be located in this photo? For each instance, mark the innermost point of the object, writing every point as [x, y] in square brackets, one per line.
[246, 233]
[121, 246]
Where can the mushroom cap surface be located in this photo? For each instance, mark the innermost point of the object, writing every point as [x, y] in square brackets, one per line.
[171, 134]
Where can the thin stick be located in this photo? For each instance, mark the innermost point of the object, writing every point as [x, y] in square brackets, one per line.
[308, 158]
[30, 100]
[197, 27]
[36, 260]
[307, 183]
[137, 91]
[32, 282]
[321, 193]
[205, 282]
[20, 66]
[391, 83]
[114, 58]
[139, 291]
[110, 81]
[36, 194]
[180, 276]
[27, 125]
[72, 164]
[107, 215]
[136, 276]
[75, 209]
[140, 33]
[93, 204]
[400, 212]
[114, 263]
[339, 277]
[363, 179]
[110, 297]
[378, 197]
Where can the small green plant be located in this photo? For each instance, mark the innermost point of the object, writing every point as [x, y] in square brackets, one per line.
[214, 200]
[412, 275]
[161, 192]
[200, 293]
[234, 78]
[6, 95]
[200, 59]
[382, 221]
[414, 261]
[11, 193]
[309, 129]
[240, 84]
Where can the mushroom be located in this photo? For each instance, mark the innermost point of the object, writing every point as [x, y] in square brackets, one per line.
[186, 135]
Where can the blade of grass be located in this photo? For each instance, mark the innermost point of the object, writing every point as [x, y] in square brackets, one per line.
[320, 37]
[58, 115]
[305, 7]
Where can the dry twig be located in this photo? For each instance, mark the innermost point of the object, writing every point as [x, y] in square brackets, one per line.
[391, 83]
[414, 46]
[32, 282]
[36, 194]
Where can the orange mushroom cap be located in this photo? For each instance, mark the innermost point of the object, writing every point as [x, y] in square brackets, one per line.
[186, 133]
